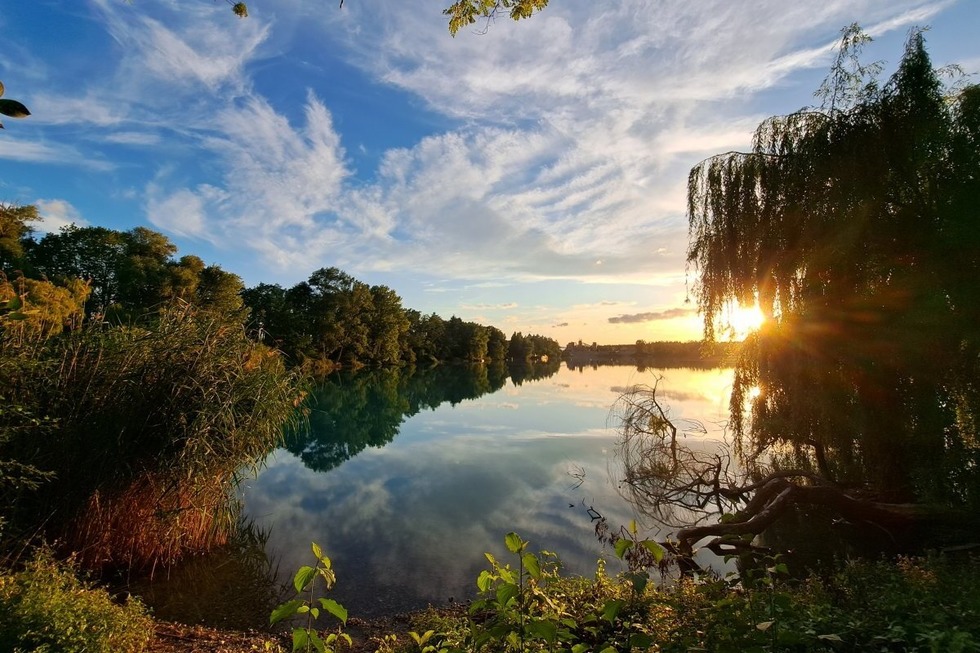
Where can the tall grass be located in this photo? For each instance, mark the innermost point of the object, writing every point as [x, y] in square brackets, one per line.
[152, 423]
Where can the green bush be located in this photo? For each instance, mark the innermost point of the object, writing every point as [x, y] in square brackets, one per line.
[47, 609]
[904, 605]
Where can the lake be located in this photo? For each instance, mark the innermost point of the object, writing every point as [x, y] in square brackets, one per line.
[406, 479]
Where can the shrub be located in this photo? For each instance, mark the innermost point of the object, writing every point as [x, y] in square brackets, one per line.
[47, 609]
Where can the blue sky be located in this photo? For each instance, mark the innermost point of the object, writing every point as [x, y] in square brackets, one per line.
[531, 177]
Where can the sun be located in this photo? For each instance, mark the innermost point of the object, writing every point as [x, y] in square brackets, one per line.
[744, 320]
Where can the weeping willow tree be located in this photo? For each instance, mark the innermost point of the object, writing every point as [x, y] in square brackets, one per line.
[855, 228]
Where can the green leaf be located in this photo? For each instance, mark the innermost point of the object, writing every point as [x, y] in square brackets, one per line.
[317, 551]
[641, 641]
[639, 581]
[284, 611]
[424, 638]
[531, 564]
[334, 608]
[609, 649]
[622, 546]
[484, 580]
[303, 577]
[654, 548]
[14, 303]
[514, 542]
[580, 648]
[329, 578]
[611, 609]
[546, 630]
[633, 528]
[300, 639]
[315, 612]
[303, 609]
[506, 592]
[317, 642]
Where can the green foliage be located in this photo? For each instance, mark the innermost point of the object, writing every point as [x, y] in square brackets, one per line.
[466, 12]
[149, 427]
[333, 320]
[908, 605]
[14, 229]
[905, 605]
[532, 607]
[532, 346]
[46, 608]
[306, 638]
[31, 311]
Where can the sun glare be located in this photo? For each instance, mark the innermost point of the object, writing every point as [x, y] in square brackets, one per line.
[744, 320]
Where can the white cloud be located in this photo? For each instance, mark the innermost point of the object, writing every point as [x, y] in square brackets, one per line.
[281, 186]
[55, 214]
[16, 149]
[578, 129]
[185, 211]
[132, 138]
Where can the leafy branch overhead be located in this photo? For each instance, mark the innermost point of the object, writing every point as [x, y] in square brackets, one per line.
[462, 13]
[466, 12]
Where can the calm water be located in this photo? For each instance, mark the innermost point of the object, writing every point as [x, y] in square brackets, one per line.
[405, 482]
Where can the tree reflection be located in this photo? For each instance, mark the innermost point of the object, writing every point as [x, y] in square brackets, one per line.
[350, 412]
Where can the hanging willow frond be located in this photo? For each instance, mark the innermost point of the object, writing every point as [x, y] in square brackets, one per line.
[853, 229]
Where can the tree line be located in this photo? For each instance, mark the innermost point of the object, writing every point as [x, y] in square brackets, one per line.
[330, 320]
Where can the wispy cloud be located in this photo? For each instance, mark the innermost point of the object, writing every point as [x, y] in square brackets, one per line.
[16, 149]
[495, 307]
[669, 314]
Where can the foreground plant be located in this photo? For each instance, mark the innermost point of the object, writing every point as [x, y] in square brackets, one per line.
[45, 607]
[306, 638]
[534, 608]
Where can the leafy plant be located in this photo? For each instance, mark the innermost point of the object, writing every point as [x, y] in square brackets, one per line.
[46, 608]
[533, 608]
[306, 638]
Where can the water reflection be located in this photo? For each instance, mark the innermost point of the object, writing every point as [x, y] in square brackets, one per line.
[352, 411]
[406, 519]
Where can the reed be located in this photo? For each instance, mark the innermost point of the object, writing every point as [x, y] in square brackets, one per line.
[152, 425]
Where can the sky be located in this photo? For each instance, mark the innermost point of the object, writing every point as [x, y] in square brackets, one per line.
[530, 176]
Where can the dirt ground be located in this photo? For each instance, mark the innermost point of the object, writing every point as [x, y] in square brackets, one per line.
[178, 638]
